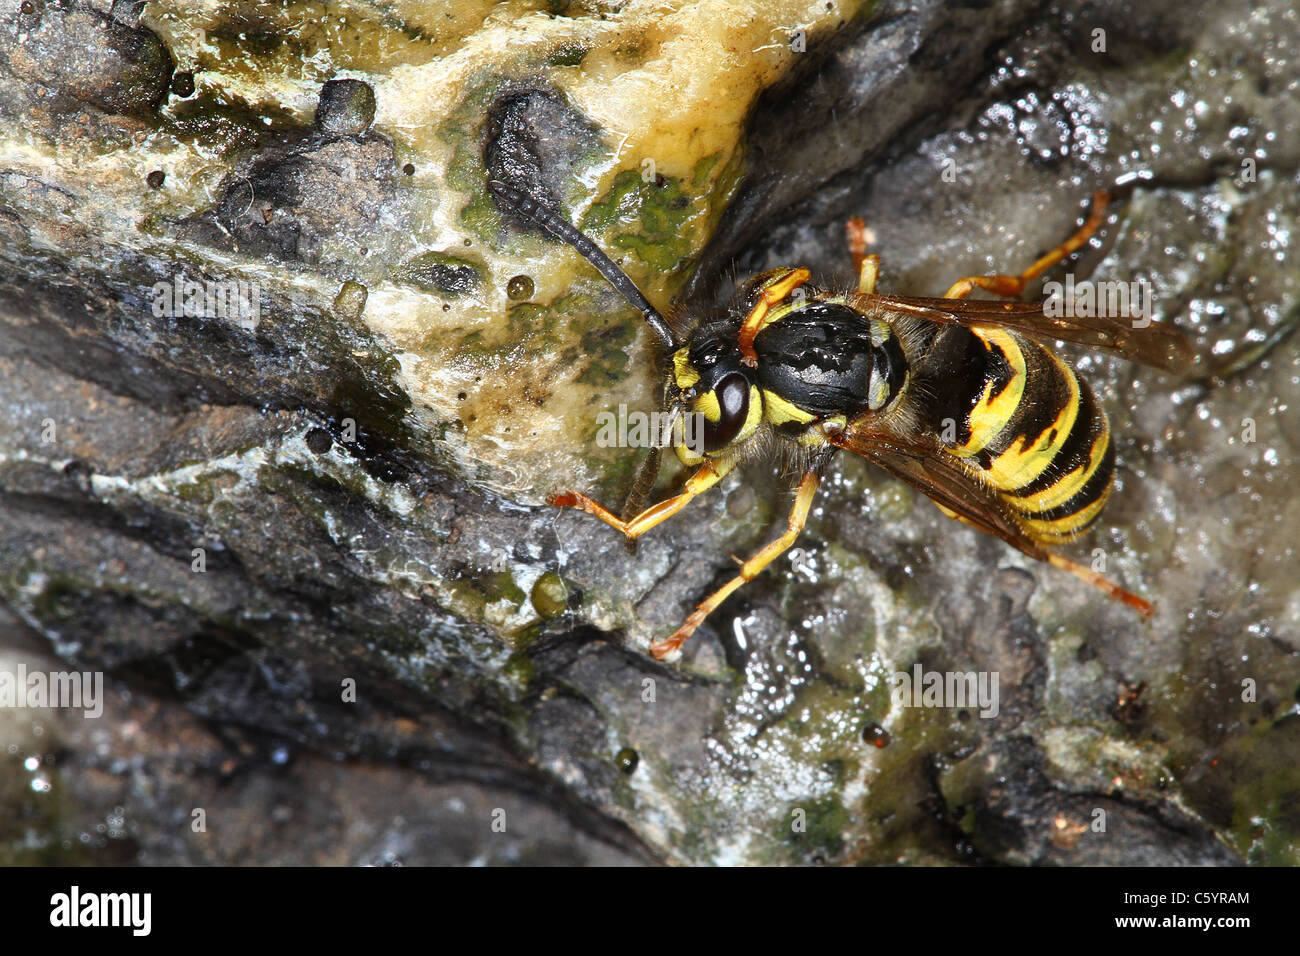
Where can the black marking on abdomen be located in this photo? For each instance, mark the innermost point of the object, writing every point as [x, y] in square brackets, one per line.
[1089, 424]
[1047, 394]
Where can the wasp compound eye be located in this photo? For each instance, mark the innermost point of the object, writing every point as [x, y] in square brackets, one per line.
[732, 395]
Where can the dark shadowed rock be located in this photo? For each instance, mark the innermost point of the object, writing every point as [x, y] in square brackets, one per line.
[346, 108]
[304, 199]
[74, 50]
[1019, 816]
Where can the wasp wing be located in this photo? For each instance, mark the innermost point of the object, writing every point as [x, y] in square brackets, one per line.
[946, 481]
[1156, 344]
[943, 479]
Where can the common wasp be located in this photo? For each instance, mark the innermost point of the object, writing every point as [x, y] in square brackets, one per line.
[963, 399]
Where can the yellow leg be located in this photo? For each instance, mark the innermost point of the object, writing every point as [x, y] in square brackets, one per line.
[865, 267]
[749, 570]
[1112, 590]
[867, 274]
[708, 475]
[1010, 286]
[773, 294]
[1105, 584]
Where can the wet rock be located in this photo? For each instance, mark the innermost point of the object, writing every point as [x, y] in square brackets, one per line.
[536, 142]
[346, 108]
[307, 200]
[78, 52]
[1019, 816]
[150, 783]
[852, 105]
[312, 538]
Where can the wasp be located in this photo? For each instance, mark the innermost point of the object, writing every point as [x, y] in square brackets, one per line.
[963, 399]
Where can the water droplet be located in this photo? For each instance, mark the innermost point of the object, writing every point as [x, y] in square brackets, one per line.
[627, 760]
[876, 735]
[520, 288]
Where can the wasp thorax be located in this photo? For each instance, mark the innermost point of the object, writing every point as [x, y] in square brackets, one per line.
[827, 359]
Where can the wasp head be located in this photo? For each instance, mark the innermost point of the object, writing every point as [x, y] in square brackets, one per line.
[715, 391]
[709, 383]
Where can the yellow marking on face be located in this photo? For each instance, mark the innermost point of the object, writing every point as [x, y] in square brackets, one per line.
[684, 373]
[1068, 485]
[779, 410]
[708, 406]
[686, 455]
[753, 417]
[989, 415]
[1018, 465]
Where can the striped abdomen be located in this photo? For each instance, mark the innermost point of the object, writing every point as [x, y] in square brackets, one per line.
[1018, 415]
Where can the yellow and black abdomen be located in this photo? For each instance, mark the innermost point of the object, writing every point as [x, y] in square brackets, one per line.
[1021, 418]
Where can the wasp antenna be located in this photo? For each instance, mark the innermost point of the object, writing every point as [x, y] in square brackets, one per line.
[560, 228]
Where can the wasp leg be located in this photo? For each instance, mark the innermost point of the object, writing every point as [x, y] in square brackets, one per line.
[749, 570]
[867, 273]
[754, 321]
[708, 475]
[1011, 286]
[865, 267]
[1110, 587]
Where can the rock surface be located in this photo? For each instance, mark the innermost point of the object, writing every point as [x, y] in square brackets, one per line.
[278, 437]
